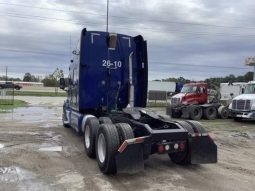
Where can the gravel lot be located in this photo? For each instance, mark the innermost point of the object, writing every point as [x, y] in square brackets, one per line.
[37, 153]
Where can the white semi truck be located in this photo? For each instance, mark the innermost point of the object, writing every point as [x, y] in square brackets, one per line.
[243, 106]
[230, 90]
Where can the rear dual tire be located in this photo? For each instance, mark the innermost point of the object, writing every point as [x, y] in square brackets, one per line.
[109, 138]
[210, 113]
[90, 132]
[184, 157]
[195, 112]
[107, 143]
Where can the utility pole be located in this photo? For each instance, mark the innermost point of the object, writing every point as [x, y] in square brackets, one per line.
[107, 15]
[6, 70]
[251, 62]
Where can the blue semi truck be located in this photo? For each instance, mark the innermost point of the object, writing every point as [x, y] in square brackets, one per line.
[107, 93]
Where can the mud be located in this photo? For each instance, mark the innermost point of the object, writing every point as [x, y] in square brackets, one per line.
[37, 153]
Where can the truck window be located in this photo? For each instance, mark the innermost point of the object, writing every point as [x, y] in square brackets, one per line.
[189, 89]
[202, 90]
[250, 89]
[112, 41]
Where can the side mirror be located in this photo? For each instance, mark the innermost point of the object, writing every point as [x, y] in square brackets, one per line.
[71, 60]
[232, 95]
[62, 83]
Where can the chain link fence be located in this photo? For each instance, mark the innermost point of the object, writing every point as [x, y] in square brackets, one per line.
[7, 96]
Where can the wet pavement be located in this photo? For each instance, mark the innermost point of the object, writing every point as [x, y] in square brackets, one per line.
[37, 153]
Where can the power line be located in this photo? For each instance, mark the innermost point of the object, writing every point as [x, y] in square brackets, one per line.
[130, 18]
[197, 65]
[35, 17]
[156, 62]
[32, 52]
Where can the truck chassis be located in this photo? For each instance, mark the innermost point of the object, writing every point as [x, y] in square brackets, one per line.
[195, 112]
[122, 140]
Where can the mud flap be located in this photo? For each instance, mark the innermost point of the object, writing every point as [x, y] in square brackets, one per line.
[203, 150]
[131, 159]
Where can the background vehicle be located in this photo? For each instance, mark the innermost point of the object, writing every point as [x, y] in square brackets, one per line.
[230, 90]
[243, 106]
[106, 92]
[195, 101]
[10, 85]
[171, 88]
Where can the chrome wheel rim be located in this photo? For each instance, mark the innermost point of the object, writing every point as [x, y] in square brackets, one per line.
[87, 136]
[101, 148]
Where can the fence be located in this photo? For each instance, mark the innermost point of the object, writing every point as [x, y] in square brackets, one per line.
[154, 96]
[7, 96]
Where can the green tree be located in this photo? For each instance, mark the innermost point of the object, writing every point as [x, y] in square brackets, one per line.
[27, 77]
[30, 78]
[51, 80]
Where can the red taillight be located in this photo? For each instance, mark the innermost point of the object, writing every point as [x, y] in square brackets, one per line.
[182, 146]
[161, 148]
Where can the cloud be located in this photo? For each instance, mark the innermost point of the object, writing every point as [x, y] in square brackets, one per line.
[197, 32]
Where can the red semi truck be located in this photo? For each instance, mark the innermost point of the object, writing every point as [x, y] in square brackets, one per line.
[194, 102]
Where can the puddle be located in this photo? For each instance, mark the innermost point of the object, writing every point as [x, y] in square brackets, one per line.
[30, 114]
[16, 178]
[71, 181]
[48, 117]
[52, 149]
[1, 146]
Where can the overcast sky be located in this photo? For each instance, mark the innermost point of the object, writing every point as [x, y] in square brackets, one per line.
[215, 35]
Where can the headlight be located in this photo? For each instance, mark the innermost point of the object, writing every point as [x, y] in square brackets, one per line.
[253, 105]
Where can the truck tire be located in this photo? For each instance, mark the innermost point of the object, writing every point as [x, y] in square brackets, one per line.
[198, 128]
[195, 112]
[210, 113]
[107, 143]
[105, 120]
[223, 112]
[171, 112]
[238, 119]
[125, 131]
[181, 158]
[90, 131]
[175, 114]
[186, 126]
[64, 119]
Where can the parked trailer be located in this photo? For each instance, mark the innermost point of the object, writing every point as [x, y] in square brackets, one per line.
[107, 93]
[195, 101]
[170, 88]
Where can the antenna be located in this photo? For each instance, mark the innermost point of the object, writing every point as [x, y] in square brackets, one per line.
[70, 45]
[107, 17]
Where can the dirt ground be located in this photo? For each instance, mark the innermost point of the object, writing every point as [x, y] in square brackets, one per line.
[37, 153]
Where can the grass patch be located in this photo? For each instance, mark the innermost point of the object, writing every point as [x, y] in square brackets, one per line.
[7, 108]
[42, 94]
